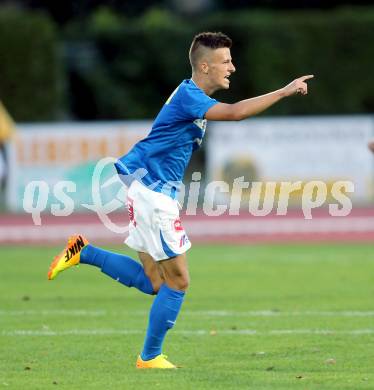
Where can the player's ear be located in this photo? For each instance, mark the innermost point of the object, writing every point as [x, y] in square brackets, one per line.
[204, 67]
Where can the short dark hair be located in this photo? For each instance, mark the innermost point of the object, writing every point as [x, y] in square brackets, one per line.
[211, 40]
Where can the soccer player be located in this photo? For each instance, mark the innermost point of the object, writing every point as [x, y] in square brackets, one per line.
[153, 169]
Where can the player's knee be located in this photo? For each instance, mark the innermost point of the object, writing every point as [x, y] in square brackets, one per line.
[155, 278]
[156, 284]
[182, 282]
[156, 281]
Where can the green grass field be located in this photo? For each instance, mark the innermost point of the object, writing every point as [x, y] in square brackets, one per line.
[256, 317]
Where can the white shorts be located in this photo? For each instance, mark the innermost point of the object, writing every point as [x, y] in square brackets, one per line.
[155, 227]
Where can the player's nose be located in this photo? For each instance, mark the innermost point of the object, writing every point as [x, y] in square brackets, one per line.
[232, 69]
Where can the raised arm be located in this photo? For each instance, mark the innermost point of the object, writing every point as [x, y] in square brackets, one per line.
[248, 107]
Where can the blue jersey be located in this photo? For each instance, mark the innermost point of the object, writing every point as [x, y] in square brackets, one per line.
[160, 159]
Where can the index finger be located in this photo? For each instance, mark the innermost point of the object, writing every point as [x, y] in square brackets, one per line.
[309, 76]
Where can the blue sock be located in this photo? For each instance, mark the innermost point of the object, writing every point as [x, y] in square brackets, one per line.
[162, 317]
[119, 267]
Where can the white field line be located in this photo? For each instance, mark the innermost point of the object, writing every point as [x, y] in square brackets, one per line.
[271, 313]
[196, 332]
[207, 313]
[67, 313]
[209, 227]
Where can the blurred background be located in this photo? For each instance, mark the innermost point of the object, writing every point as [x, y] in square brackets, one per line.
[82, 80]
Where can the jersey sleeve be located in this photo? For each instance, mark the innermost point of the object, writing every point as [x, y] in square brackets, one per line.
[195, 103]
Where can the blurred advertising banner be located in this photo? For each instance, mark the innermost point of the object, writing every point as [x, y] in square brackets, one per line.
[68, 153]
[326, 149]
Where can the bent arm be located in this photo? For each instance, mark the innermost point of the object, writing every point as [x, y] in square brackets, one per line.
[248, 107]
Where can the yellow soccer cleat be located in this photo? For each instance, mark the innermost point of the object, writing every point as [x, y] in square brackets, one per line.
[157, 362]
[68, 257]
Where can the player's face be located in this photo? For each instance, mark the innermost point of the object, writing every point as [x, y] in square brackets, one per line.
[220, 68]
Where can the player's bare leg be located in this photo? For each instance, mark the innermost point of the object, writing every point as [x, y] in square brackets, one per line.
[175, 272]
[152, 270]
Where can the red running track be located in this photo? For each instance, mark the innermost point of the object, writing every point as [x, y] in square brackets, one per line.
[245, 228]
